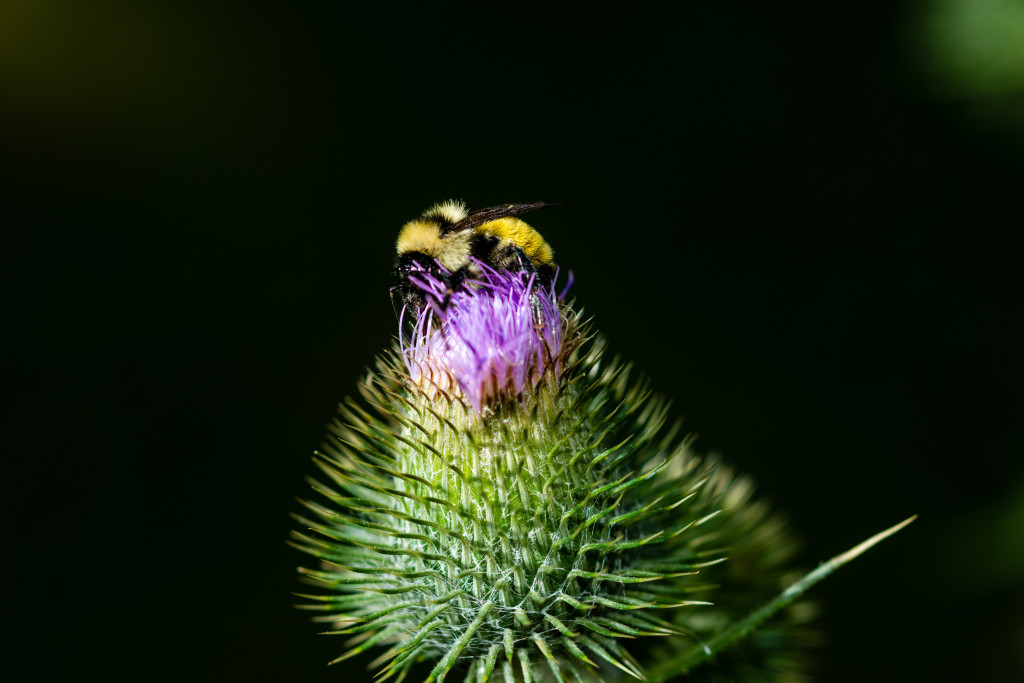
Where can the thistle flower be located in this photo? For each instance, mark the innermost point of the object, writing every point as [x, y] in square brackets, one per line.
[497, 338]
[508, 502]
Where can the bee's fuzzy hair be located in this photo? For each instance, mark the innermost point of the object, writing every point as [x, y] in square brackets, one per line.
[451, 211]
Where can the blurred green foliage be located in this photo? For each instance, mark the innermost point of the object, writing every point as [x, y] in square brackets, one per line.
[973, 51]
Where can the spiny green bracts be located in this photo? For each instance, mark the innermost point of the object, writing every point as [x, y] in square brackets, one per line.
[760, 564]
[508, 504]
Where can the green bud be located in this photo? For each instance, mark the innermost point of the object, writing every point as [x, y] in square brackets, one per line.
[528, 519]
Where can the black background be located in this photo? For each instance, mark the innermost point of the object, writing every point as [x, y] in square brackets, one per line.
[765, 208]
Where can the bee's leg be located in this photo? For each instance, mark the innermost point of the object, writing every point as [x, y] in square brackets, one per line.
[453, 283]
[541, 281]
[397, 302]
[404, 313]
[524, 262]
[543, 275]
[455, 280]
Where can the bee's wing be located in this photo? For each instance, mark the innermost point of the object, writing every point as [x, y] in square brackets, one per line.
[495, 212]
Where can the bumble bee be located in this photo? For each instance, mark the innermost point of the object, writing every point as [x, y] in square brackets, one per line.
[449, 242]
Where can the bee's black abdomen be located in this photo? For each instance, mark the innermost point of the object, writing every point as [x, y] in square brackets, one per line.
[545, 275]
[485, 248]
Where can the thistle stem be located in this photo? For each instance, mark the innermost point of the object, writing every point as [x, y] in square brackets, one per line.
[733, 634]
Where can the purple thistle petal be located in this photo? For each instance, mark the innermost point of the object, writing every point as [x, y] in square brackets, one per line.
[497, 335]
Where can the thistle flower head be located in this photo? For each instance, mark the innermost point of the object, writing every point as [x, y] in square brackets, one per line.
[497, 335]
[506, 502]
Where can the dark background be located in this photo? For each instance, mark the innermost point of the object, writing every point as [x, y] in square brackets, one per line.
[799, 223]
